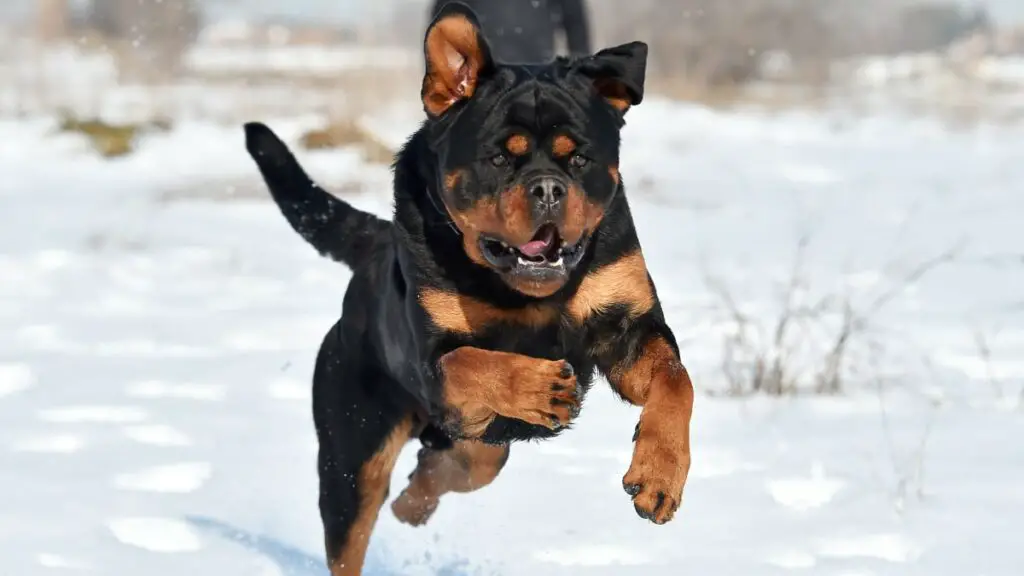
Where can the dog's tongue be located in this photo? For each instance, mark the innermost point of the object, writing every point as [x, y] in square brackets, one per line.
[539, 244]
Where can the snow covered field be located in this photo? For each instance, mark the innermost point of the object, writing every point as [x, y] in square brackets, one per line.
[156, 351]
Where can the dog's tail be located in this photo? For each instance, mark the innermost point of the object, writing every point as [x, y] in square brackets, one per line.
[334, 227]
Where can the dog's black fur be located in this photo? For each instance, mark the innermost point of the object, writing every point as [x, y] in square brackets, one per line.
[513, 154]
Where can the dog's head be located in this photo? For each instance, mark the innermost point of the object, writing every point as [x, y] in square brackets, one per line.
[528, 154]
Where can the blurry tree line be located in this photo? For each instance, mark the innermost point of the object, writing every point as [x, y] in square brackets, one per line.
[732, 42]
[150, 36]
[698, 42]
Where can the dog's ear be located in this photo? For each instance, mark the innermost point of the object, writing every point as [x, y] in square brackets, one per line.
[618, 74]
[456, 56]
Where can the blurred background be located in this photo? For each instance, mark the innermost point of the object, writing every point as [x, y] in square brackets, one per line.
[144, 59]
[829, 196]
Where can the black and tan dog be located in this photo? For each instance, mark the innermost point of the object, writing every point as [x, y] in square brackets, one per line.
[510, 273]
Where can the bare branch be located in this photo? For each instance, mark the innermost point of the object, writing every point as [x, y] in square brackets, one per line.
[985, 352]
[914, 275]
[776, 365]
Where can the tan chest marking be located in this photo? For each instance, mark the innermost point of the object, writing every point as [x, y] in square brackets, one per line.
[464, 315]
[623, 282]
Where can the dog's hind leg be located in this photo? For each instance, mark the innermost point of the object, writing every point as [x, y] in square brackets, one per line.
[361, 427]
[469, 465]
[350, 502]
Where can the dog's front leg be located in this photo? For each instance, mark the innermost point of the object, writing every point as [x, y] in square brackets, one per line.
[477, 385]
[645, 370]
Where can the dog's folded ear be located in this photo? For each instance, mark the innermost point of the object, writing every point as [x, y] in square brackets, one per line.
[618, 74]
[456, 56]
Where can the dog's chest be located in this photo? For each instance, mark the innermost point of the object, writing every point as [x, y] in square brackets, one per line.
[538, 330]
[556, 340]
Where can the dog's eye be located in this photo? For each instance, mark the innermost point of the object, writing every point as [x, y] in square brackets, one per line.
[499, 160]
[578, 161]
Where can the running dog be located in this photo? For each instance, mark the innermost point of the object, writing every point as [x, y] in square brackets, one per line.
[509, 276]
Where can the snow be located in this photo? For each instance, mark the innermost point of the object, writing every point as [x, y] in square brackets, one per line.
[15, 378]
[173, 478]
[157, 350]
[156, 534]
[320, 60]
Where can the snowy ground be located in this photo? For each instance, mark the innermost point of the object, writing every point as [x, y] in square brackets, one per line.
[155, 358]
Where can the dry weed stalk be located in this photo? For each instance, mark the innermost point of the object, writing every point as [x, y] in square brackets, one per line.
[909, 470]
[760, 355]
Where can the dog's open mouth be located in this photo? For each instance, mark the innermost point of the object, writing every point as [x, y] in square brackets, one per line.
[545, 252]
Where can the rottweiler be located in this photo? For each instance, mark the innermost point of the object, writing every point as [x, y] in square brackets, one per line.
[509, 274]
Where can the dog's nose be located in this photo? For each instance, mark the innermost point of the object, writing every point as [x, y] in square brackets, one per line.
[548, 191]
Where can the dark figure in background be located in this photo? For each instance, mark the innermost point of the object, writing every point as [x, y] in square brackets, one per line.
[523, 31]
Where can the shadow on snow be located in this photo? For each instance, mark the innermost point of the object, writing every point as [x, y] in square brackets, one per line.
[295, 562]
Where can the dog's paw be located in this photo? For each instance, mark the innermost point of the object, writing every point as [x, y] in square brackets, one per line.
[544, 392]
[414, 511]
[655, 479]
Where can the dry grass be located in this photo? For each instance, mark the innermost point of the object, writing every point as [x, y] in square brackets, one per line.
[346, 133]
[809, 346]
[110, 140]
